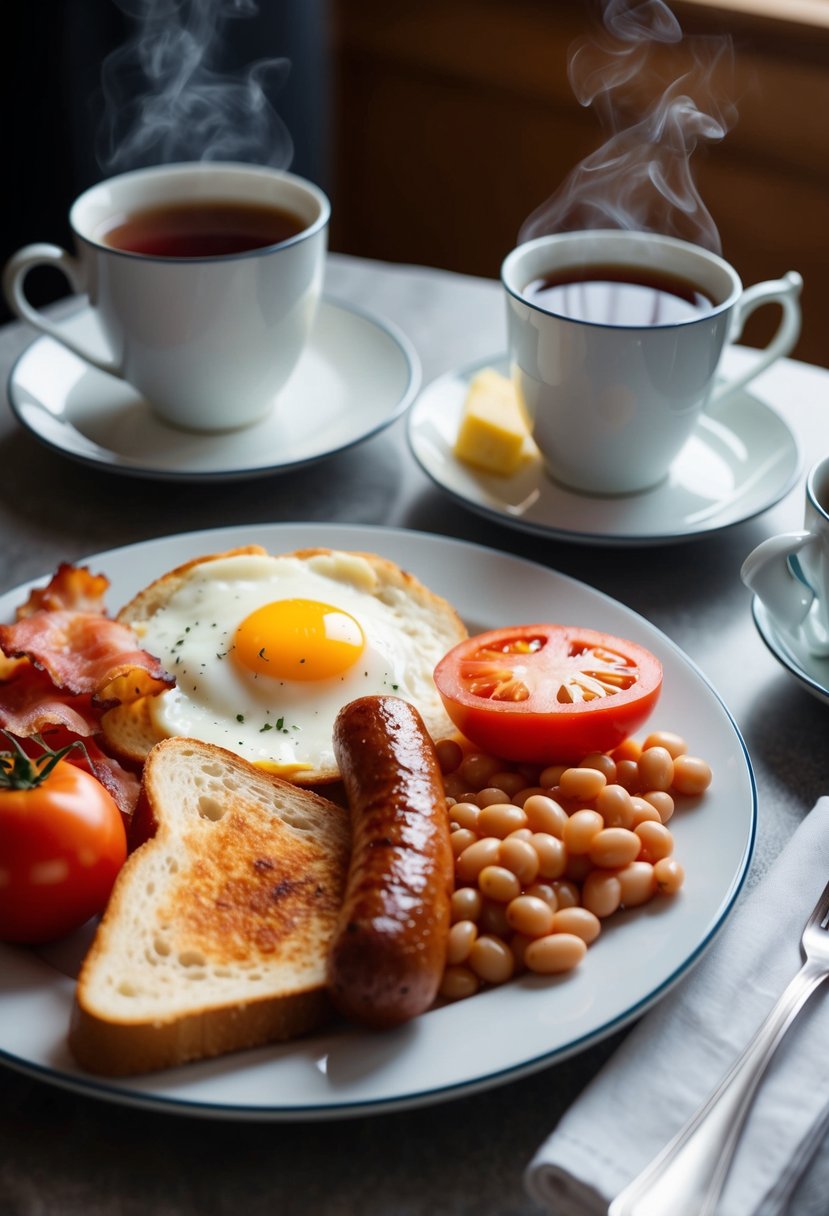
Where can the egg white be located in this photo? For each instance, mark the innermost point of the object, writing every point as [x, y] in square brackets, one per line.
[275, 721]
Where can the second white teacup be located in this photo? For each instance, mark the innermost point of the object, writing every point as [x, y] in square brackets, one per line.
[615, 339]
[789, 573]
[204, 278]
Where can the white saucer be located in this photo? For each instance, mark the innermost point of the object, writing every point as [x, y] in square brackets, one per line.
[738, 462]
[356, 376]
[812, 672]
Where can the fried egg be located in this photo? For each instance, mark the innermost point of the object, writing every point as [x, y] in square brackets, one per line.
[266, 650]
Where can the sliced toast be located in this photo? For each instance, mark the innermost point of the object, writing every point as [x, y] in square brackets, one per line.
[218, 928]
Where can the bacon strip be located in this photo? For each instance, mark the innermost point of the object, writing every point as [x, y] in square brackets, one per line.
[30, 704]
[86, 654]
[70, 586]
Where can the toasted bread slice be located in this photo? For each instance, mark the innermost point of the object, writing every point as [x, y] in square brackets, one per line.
[425, 623]
[218, 928]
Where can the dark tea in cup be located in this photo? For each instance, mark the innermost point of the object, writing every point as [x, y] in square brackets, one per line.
[200, 229]
[609, 294]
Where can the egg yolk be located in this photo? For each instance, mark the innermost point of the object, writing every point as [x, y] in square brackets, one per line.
[298, 640]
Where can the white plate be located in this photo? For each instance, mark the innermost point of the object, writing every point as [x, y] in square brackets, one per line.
[811, 671]
[738, 462]
[498, 1035]
[354, 378]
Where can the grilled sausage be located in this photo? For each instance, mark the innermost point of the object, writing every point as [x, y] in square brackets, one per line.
[389, 950]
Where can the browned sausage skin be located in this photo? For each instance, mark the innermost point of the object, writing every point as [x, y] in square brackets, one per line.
[389, 951]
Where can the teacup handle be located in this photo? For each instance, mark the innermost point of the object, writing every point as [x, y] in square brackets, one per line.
[786, 292]
[14, 276]
[771, 572]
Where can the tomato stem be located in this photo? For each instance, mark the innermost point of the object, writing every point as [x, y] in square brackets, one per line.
[21, 772]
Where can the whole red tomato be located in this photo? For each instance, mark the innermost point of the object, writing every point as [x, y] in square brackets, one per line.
[548, 693]
[62, 843]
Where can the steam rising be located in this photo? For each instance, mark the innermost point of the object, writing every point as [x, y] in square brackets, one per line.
[166, 99]
[640, 178]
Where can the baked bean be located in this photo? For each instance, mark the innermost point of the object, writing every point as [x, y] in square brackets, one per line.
[643, 811]
[550, 776]
[555, 953]
[483, 852]
[461, 839]
[615, 807]
[518, 944]
[458, 983]
[656, 768]
[629, 749]
[491, 959]
[691, 775]
[657, 841]
[578, 867]
[544, 814]
[669, 875]
[672, 743]
[466, 904]
[501, 818]
[520, 799]
[490, 794]
[493, 919]
[552, 854]
[520, 834]
[580, 829]
[601, 893]
[449, 753]
[603, 762]
[477, 769]
[520, 857]
[510, 783]
[637, 882]
[582, 784]
[663, 802]
[627, 774]
[579, 921]
[545, 891]
[455, 787]
[461, 936]
[529, 915]
[566, 892]
[614, 847]
[498, 883]
[465, 815]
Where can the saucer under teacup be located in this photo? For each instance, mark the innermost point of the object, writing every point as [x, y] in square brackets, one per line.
[354, 378]
[741, 459]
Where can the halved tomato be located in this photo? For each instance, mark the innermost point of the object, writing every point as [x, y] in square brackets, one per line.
[548, 694]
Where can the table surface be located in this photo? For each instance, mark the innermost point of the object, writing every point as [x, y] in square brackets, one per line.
[63, 1153]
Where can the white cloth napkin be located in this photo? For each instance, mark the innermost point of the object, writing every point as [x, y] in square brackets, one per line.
[679, 1051]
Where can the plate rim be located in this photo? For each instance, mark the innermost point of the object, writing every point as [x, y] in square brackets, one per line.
[106, 460]
[115, 1091]
[464, 372]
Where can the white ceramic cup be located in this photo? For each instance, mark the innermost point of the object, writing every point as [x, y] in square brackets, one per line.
[613, 404]
[208, 341]
[789, 573]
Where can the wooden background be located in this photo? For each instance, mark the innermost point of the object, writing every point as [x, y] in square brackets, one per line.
[454, 120]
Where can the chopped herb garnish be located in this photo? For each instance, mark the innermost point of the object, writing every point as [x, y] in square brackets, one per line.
[240, 717]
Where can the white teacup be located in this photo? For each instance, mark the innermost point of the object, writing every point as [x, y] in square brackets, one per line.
[789, 573]
[614, 398]
[208, 340]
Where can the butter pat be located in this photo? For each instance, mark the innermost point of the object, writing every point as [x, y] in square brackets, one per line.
[494, 433]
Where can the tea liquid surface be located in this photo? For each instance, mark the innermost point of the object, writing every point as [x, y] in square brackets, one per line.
[619, 295]
[201, 229]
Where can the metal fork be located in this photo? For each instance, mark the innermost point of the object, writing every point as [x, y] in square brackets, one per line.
[688, 1175]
